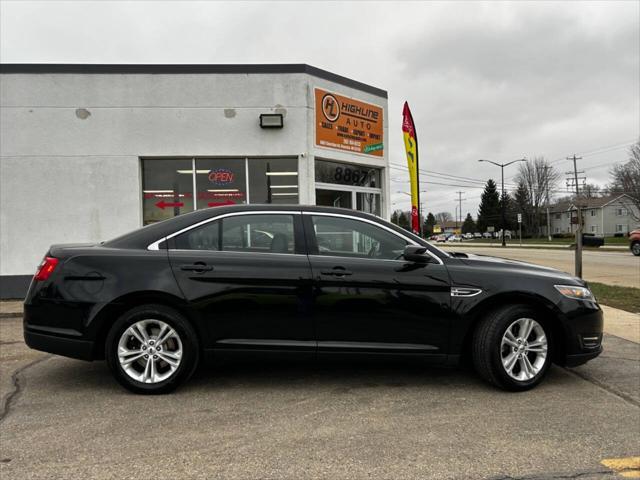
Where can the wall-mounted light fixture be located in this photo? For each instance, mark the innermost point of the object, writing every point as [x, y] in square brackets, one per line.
[271, 120]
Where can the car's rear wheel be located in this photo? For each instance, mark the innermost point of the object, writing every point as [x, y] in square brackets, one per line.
[152, 349]
[511, 348]
[635, 248]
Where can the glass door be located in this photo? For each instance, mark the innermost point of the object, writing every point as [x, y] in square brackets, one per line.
[334, 198]
[368, 202]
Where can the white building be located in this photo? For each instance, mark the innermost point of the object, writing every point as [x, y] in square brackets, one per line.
[88, 152]
[602, 216]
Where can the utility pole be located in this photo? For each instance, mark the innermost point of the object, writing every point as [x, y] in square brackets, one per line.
[546, 181]
[460, 199]
[574, 180]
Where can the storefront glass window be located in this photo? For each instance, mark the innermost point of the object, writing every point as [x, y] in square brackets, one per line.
[273, 180]
[168, 184]
[220, 181]
[347, 174]
[167, 188]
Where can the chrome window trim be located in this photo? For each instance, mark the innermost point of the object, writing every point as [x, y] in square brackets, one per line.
[232, 251]
[376, 224]
[155, 245]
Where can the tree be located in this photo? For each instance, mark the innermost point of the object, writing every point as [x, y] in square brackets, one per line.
[625, 178]
[403, 220]
[394, 217]
[443, 217]
[590, 190]
[489, 210]
[468, 226]
[522, 205]
[539, 178]
[509, 212]
[429, 223]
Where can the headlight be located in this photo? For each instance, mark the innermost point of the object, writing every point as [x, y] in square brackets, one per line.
[579, 293]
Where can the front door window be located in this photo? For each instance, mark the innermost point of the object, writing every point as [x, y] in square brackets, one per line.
[345, 237]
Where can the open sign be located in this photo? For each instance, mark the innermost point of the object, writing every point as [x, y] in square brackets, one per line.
[221, 176]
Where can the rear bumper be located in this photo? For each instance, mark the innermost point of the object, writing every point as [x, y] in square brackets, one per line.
[68, 347]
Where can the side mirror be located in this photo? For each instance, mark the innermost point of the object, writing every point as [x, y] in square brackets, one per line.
[416, 253]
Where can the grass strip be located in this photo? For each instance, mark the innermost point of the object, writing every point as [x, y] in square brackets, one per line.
[624, 298]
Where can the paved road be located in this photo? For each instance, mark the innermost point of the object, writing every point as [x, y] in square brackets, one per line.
[68, 419]
[615, 268]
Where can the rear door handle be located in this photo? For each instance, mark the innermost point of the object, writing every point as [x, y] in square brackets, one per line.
[198, 267]
[337, 272]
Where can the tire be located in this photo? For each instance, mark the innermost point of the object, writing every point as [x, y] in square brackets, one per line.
[138, 331]
[635, 248]
[492, 355]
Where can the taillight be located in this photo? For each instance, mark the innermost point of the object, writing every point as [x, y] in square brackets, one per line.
[46, 268]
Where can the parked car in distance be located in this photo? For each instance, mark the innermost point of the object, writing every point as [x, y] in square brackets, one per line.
[487, 235]
[442, 237]
[634, 242]
[477, 235]
[454, 238]
[329, 282]
[468, 236]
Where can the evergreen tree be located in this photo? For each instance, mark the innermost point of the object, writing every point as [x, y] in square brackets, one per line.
[489, 211]
[511, 219]
[522, 204]
[403, 221]
[429, 223]
[394, 217]
[468, 226]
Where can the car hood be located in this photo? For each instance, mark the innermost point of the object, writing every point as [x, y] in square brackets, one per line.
[498, 263]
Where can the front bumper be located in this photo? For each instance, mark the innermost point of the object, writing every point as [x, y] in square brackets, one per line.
[581, 358]
[68, 347]
[583, 324]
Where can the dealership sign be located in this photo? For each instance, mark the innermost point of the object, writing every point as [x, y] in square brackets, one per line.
[343, 123]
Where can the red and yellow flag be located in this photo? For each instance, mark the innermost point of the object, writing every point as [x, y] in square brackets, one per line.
[411, 147]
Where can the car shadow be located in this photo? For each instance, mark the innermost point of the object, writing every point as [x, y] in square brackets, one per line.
[339, 377]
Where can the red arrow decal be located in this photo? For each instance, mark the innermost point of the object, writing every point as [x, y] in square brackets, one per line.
[162, 204]
[220, 204]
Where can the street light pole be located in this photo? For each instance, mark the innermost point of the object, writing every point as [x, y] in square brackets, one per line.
[504, 218]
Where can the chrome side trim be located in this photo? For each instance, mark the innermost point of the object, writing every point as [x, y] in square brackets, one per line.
[465, 292]
[154, 245]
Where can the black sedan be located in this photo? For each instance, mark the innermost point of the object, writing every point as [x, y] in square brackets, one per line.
[301, 281]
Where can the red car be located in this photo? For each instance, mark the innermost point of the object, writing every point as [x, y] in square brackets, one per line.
[634, 242]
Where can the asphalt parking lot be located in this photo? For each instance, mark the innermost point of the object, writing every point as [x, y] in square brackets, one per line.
[69, 419]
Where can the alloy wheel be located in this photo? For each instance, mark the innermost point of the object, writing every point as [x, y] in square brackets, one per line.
[150, 351]
[524, 349]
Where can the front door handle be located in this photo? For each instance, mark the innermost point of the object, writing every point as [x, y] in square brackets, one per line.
[198, 267]
[337, 272]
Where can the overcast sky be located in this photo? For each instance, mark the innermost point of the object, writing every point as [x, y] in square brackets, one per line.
[484, 80]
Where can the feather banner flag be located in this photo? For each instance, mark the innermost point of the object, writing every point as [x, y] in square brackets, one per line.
[411, 147]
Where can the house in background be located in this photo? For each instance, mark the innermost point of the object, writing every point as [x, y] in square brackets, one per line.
[448, 227]
[604, 216]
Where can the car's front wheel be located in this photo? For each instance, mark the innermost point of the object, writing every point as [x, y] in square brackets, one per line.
[511, 348]
[635, 248]
[152, 349]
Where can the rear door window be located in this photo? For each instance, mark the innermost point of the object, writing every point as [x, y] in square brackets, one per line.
[265, 233]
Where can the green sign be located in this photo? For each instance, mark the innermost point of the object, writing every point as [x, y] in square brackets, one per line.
[373, 148]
